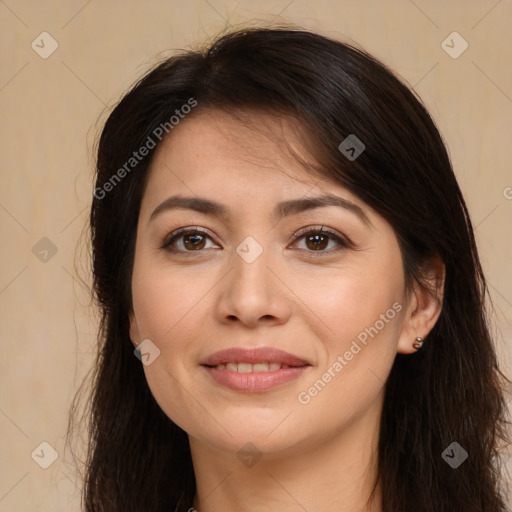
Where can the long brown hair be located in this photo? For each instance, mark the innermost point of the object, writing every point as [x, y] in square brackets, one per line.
[450, 391]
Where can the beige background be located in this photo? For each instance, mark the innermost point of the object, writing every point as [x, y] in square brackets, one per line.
[50, 111]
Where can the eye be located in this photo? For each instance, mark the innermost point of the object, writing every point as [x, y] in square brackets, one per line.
[317, 239]
[194, 239]
[186, 240]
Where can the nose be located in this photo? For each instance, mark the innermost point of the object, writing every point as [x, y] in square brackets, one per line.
[253, 293]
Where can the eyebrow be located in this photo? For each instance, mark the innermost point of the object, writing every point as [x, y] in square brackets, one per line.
[281, 210]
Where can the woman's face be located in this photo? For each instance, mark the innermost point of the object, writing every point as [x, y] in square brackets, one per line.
[253, 284]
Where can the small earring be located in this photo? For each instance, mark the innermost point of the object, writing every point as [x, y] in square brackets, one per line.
[418, 343]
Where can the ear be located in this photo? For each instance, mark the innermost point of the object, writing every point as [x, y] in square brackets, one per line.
[134, 329]
[424, 306]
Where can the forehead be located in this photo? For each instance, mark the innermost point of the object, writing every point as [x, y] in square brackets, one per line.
[216, 143]
[248, 158]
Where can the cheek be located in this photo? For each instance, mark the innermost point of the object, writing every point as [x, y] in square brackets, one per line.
[348, 301]
[166, 304]
[164, 299]
[352, 375]
[360, 311]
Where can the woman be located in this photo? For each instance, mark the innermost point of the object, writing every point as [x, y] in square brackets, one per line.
[292, 300]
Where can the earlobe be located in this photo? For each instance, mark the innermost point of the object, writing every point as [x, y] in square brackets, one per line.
[424, 308]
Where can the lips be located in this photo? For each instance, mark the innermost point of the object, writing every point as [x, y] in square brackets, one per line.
[255, 356]
[254, 370]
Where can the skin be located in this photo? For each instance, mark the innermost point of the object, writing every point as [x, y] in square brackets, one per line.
[314, 456]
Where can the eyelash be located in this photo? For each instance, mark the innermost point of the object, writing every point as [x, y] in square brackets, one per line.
[343, 242]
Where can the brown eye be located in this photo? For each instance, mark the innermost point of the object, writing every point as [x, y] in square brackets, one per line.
[321, 241]
[186, 241]
[317, 242]
[194, 241]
